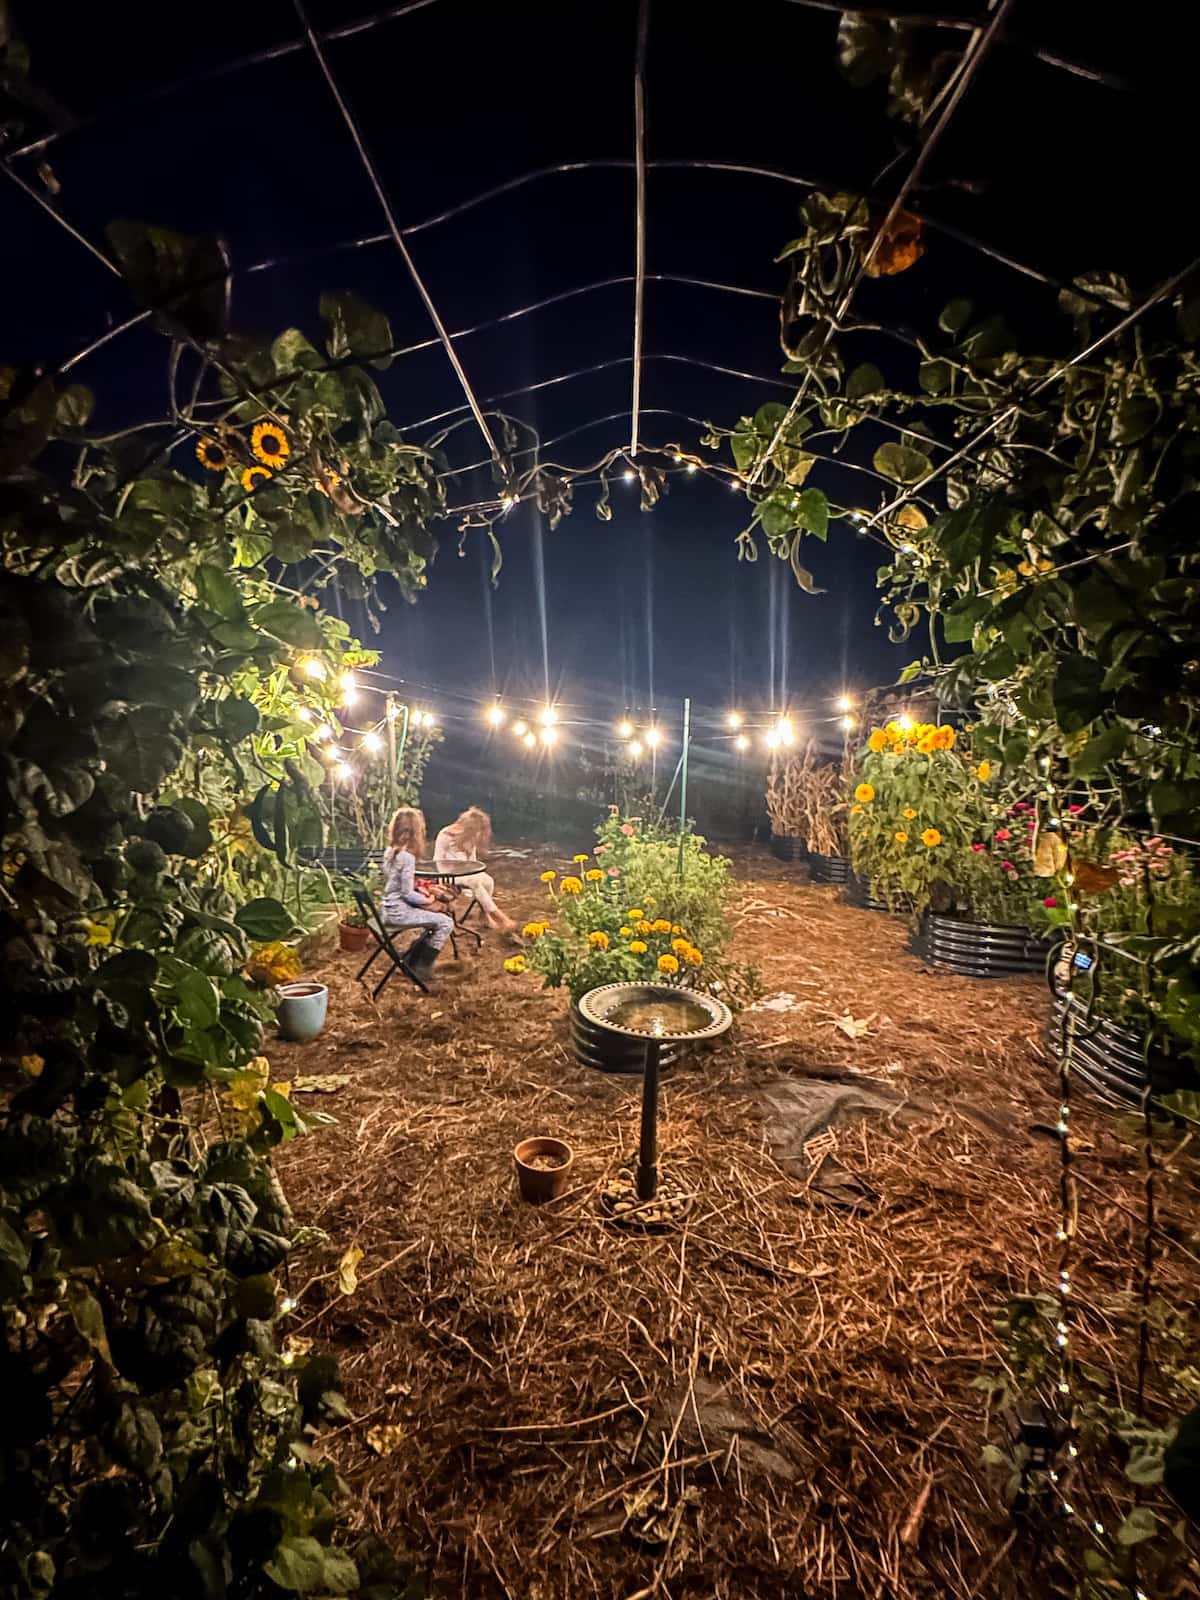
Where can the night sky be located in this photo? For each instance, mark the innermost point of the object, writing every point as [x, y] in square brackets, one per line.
[1062, 173]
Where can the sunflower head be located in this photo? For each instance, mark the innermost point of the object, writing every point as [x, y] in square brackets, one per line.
[931, 838]
[865, 793]
[270, 444]
[212, 454]
[253, 476]
[877, 741]
[984, 771]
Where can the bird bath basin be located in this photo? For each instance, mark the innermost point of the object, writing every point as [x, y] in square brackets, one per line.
[657, 1014]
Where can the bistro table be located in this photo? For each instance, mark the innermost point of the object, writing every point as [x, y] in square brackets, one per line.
[450, 872]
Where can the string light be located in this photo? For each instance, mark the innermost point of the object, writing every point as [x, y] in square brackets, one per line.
[691, 466]
[520, 729]
[549, 734]
[774, 739]
[343, 772]
[625, 730]
[305, 714]
[508, 501]
[348, 682]
[741, 742]
[629, 475]
[287, 1304]
[350, 697]
[548, 717]
[848, 723]
[529, 740]
[315, 669]
[653, 738]
[322, 731]
[785, 730]
[843, 703]
[372, 742]
[734, 719]
[635, 748]
[495, 716]
[905, 723]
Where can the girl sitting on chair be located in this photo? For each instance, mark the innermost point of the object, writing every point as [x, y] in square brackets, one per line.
[469, 838]
[404, 906]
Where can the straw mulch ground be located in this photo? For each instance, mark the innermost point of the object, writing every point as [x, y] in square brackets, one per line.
[776, 1400]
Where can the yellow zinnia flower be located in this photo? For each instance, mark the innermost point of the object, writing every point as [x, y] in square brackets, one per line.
[627, 933]
[549, 877]
[661, 925]
[645, 928]
[909, 813]
[253, 476]
[877, 741]
[636, 914]
[865, 793]
[594, 875]
[571, 886]
[638, 947]
[598, 940]
[679, 946]
[668, 964]
[931, 838]
[212, 454]
[984, 771]
[693, 957]
[269, 443]
[533, 930]
[515, 964]
[928, 743]
[901, 837]
[578, 860]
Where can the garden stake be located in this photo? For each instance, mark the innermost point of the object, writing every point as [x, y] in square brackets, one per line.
[687, 729]
[647, 1172]
[390, 718]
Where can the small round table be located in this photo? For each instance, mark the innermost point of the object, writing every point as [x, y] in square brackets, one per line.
[450, 872]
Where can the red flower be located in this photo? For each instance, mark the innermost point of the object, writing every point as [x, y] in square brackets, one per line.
[1021, 805]
[1074, 809]
[1050, 902]
[1003, 833]
[1007, 866]
[978, 847]
[1031, 825]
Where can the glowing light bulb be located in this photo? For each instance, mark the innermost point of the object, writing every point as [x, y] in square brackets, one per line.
[323, 731]
[508, 501]
[905, 723]
[350, 697]
[287, 1304]
[520, 729]
[734, 719]
[348, 682]
[495, 715]
[315, 669]
[785, 730]
[418, 719]
[549, 734]
[848, 723]
[691, 466]
[653, 738]
[548, 717]
[635, 748]
[343, 772]
[843, 703]
[372, 742]
[625, 730]
[629, 475]
[741, 742]
[430, 720]
[305, 714]
[774, 739]
[529, 741]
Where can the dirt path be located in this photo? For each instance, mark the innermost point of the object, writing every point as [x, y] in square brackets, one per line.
[776, 1400]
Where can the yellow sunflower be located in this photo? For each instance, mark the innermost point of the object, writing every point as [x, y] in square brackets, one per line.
[945, 738]
[909, 813]
[877, 741]
[594, 875]
[865, 793]
[212, 454]
[598, 940]
[638, 947]
[931, 838]
[900, 837]
[571, 886]
[329, 479]
[253, 476]
[984, 771]
[668, 964]
[928, 743]
[270, 444]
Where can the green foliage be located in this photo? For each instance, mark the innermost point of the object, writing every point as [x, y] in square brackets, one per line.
[160, 694]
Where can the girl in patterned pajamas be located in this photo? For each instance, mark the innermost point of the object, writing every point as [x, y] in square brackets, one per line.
[404, 906]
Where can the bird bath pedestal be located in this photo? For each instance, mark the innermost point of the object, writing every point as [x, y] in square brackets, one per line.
[654, 1014]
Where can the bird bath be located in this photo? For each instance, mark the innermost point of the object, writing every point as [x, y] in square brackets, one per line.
[656, 1014]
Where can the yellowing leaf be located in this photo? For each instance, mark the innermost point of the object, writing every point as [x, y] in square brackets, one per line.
[1049, 855]
[912, 517]
[32, 1065]
[854, 1027]
[897, 249]
[347, 1274]
[386, 1437]
[326, 1082]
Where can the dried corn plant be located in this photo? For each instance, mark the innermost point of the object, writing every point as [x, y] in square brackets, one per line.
[807, 799]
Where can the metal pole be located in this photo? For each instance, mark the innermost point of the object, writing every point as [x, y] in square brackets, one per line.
[647, 1171]
[391, 739]
[683, 775]
[403, 736]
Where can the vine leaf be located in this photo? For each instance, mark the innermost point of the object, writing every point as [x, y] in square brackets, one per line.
[183, 279]
[1079, 695]
[901, 463]
[347, 1272]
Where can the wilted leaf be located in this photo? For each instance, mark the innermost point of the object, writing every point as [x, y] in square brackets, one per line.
[1091, 879]
[898, 249]
[347, 1273]
[854, 1027]
[1049, 855]
[1141, 1523]
[321, 1083]
[386, 1437]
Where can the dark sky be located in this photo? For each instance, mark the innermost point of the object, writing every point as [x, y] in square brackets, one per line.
[1060, 172]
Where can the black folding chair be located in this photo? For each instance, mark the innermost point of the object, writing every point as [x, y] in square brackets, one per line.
[385, 945]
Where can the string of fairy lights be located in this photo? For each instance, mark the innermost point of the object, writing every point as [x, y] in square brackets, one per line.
[541, 727]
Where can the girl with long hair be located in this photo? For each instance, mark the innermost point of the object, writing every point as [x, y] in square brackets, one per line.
[469, 838]
[404, 906]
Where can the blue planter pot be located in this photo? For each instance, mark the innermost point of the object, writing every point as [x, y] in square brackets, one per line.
[302, 1010]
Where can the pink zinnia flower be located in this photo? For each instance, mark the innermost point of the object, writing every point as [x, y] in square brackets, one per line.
[1007, 866]
[600, 849]
[627, 829]
[614, 872]
[1021, 805]
[1074, 809]
[978, 847]
[1003, 833]
[1050, 902]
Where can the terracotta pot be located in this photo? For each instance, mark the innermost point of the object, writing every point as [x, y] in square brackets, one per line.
[353, 938]
[542, 1183]
[302, 1008]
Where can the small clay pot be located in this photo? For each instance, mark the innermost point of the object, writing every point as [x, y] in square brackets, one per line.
[539, 1183]
[302, 1009]
[353, 938]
